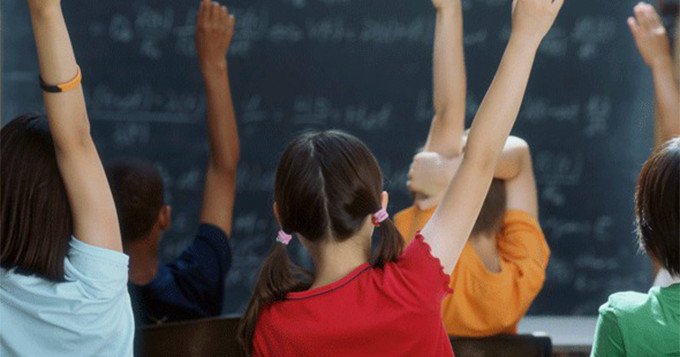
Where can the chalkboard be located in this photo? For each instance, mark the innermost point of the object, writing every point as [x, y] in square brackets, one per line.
[365, 67]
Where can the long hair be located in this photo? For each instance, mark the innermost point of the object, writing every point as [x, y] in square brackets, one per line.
[326, 185]
[36, 216]
[657, 206]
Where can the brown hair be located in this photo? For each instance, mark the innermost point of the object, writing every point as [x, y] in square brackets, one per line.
[36, 216]
[657, 206]
[490, 219]
[137, 189]
[326, 185]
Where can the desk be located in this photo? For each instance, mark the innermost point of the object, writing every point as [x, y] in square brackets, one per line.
[569, 334]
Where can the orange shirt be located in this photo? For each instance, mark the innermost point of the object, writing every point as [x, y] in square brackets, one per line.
[484, 303]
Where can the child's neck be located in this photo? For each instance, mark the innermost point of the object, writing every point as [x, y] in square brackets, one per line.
[143, 262]
[334, 260]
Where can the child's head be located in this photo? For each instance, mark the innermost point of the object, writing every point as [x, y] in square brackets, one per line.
[327, 186]
[490, 219]
[36, 216]
[137, 189]
[657, 206]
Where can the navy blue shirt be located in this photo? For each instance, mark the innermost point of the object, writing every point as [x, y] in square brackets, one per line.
[190, 287]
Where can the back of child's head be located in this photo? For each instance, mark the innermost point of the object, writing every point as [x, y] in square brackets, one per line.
[327, 185]
[36, 216]
[490, 219]
[138, 191]
[657, 206]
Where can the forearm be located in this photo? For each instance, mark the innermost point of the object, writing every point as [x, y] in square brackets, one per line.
[667, 99]
[449, 83]
[66, 111]
[222, 129]
[499, 109]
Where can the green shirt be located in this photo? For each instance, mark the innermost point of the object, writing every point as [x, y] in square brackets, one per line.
[635, 324]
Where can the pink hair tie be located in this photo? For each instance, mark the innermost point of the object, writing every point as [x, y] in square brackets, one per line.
[379, 217]
[283, 237]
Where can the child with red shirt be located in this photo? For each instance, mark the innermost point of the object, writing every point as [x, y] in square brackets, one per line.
[328, 191]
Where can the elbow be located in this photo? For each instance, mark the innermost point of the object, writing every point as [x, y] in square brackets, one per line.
[524, 150]
[77, 140]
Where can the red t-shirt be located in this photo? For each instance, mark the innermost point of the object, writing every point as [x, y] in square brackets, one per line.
[395, 311]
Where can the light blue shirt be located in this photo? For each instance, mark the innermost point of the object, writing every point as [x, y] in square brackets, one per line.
[87, 315]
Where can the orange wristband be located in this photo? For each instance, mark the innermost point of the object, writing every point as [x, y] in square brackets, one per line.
[64, 87]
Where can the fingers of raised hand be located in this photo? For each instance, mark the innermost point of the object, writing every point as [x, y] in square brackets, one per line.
[642, 15]
[556, 5]
[654, 20]
[634, 26]
[231, 23]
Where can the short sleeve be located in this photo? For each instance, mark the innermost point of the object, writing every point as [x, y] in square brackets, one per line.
[412, 220]
[608, 338]
[197, 276]
[423, 273]
[522, 239]
[103, 273]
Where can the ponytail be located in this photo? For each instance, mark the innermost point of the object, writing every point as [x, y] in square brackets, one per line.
[326, 185]
[278, 276]
[391, 244]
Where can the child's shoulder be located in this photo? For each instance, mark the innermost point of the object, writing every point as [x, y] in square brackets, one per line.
[625, 304]
[421, 267]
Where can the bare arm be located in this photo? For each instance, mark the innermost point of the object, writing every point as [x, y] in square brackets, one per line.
[214, 30]
[431, 173]
[654, 46]
[520, 183]
[94, 213]
[464, 197]
[446, 130]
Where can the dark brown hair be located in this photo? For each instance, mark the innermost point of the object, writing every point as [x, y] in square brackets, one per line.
[326, 185]
[137, 189]
[490, 219]
[657, 203]
[36, 216]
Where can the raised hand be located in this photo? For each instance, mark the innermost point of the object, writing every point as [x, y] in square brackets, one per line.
[532, 19]
[463, 199]
[94, 213]
[214, 30]
[650, 35]
[429, 175]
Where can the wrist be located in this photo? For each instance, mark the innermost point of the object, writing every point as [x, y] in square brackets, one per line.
[664, 63]
[524, 42]
[213, 67]
[449, 8]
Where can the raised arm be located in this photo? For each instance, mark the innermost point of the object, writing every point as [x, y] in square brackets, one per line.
[94, 213]
[214, 30]
[431, 173]
[517, 171]
[446, 130]
[531, 20]
[654, 46]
